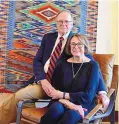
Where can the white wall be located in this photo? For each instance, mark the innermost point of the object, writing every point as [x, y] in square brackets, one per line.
[103, 28]
[107, 30]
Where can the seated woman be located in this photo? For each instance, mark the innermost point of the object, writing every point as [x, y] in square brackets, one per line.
[75, 83]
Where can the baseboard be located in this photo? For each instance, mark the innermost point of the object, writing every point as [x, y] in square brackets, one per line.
[116, 116]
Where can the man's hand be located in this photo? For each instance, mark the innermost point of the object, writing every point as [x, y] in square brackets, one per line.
[104, 100]
[51, 91]
[56, 94]
[47, 87]
[73, 106]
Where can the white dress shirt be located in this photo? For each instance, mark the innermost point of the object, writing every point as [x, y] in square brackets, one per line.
[63, 45]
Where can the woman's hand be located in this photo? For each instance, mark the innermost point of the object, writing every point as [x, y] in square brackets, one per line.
[81, 110]
[104, 100]
[73, 106]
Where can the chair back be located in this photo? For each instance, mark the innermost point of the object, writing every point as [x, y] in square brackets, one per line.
[115, 78]
[106, 62]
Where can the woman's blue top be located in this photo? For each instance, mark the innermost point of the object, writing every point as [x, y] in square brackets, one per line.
[82, 89]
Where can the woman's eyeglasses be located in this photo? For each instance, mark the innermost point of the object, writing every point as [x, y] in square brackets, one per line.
[79, 45]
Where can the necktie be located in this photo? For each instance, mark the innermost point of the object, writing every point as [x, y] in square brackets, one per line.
[54, 57]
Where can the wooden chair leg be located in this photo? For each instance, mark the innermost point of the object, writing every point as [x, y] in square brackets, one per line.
[112, 115]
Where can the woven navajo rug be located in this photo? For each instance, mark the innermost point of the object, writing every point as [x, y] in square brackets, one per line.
[23, 24]
[4, 90]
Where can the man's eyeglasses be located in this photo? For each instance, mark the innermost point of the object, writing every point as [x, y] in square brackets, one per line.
[79, 45]
[65, 22]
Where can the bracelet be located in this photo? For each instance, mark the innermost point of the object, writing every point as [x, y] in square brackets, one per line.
[64, 95]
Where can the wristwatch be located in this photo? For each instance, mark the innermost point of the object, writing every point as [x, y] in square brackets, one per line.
[38, 82]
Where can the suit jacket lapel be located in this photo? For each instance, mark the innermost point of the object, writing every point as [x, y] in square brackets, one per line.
[63, 55]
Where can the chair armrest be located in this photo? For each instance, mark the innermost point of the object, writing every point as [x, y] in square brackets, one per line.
[21, 104]
[92, 115]
[43, 100]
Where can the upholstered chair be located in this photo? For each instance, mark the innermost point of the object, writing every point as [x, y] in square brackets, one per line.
[110, 75]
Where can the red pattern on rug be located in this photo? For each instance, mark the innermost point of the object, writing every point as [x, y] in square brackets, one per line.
[4, 90]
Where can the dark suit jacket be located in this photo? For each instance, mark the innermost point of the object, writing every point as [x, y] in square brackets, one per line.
[43, 55]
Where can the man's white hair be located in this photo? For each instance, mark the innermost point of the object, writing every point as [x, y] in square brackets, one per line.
[64, 11]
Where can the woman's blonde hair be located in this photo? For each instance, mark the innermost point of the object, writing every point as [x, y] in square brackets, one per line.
[82, 39]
